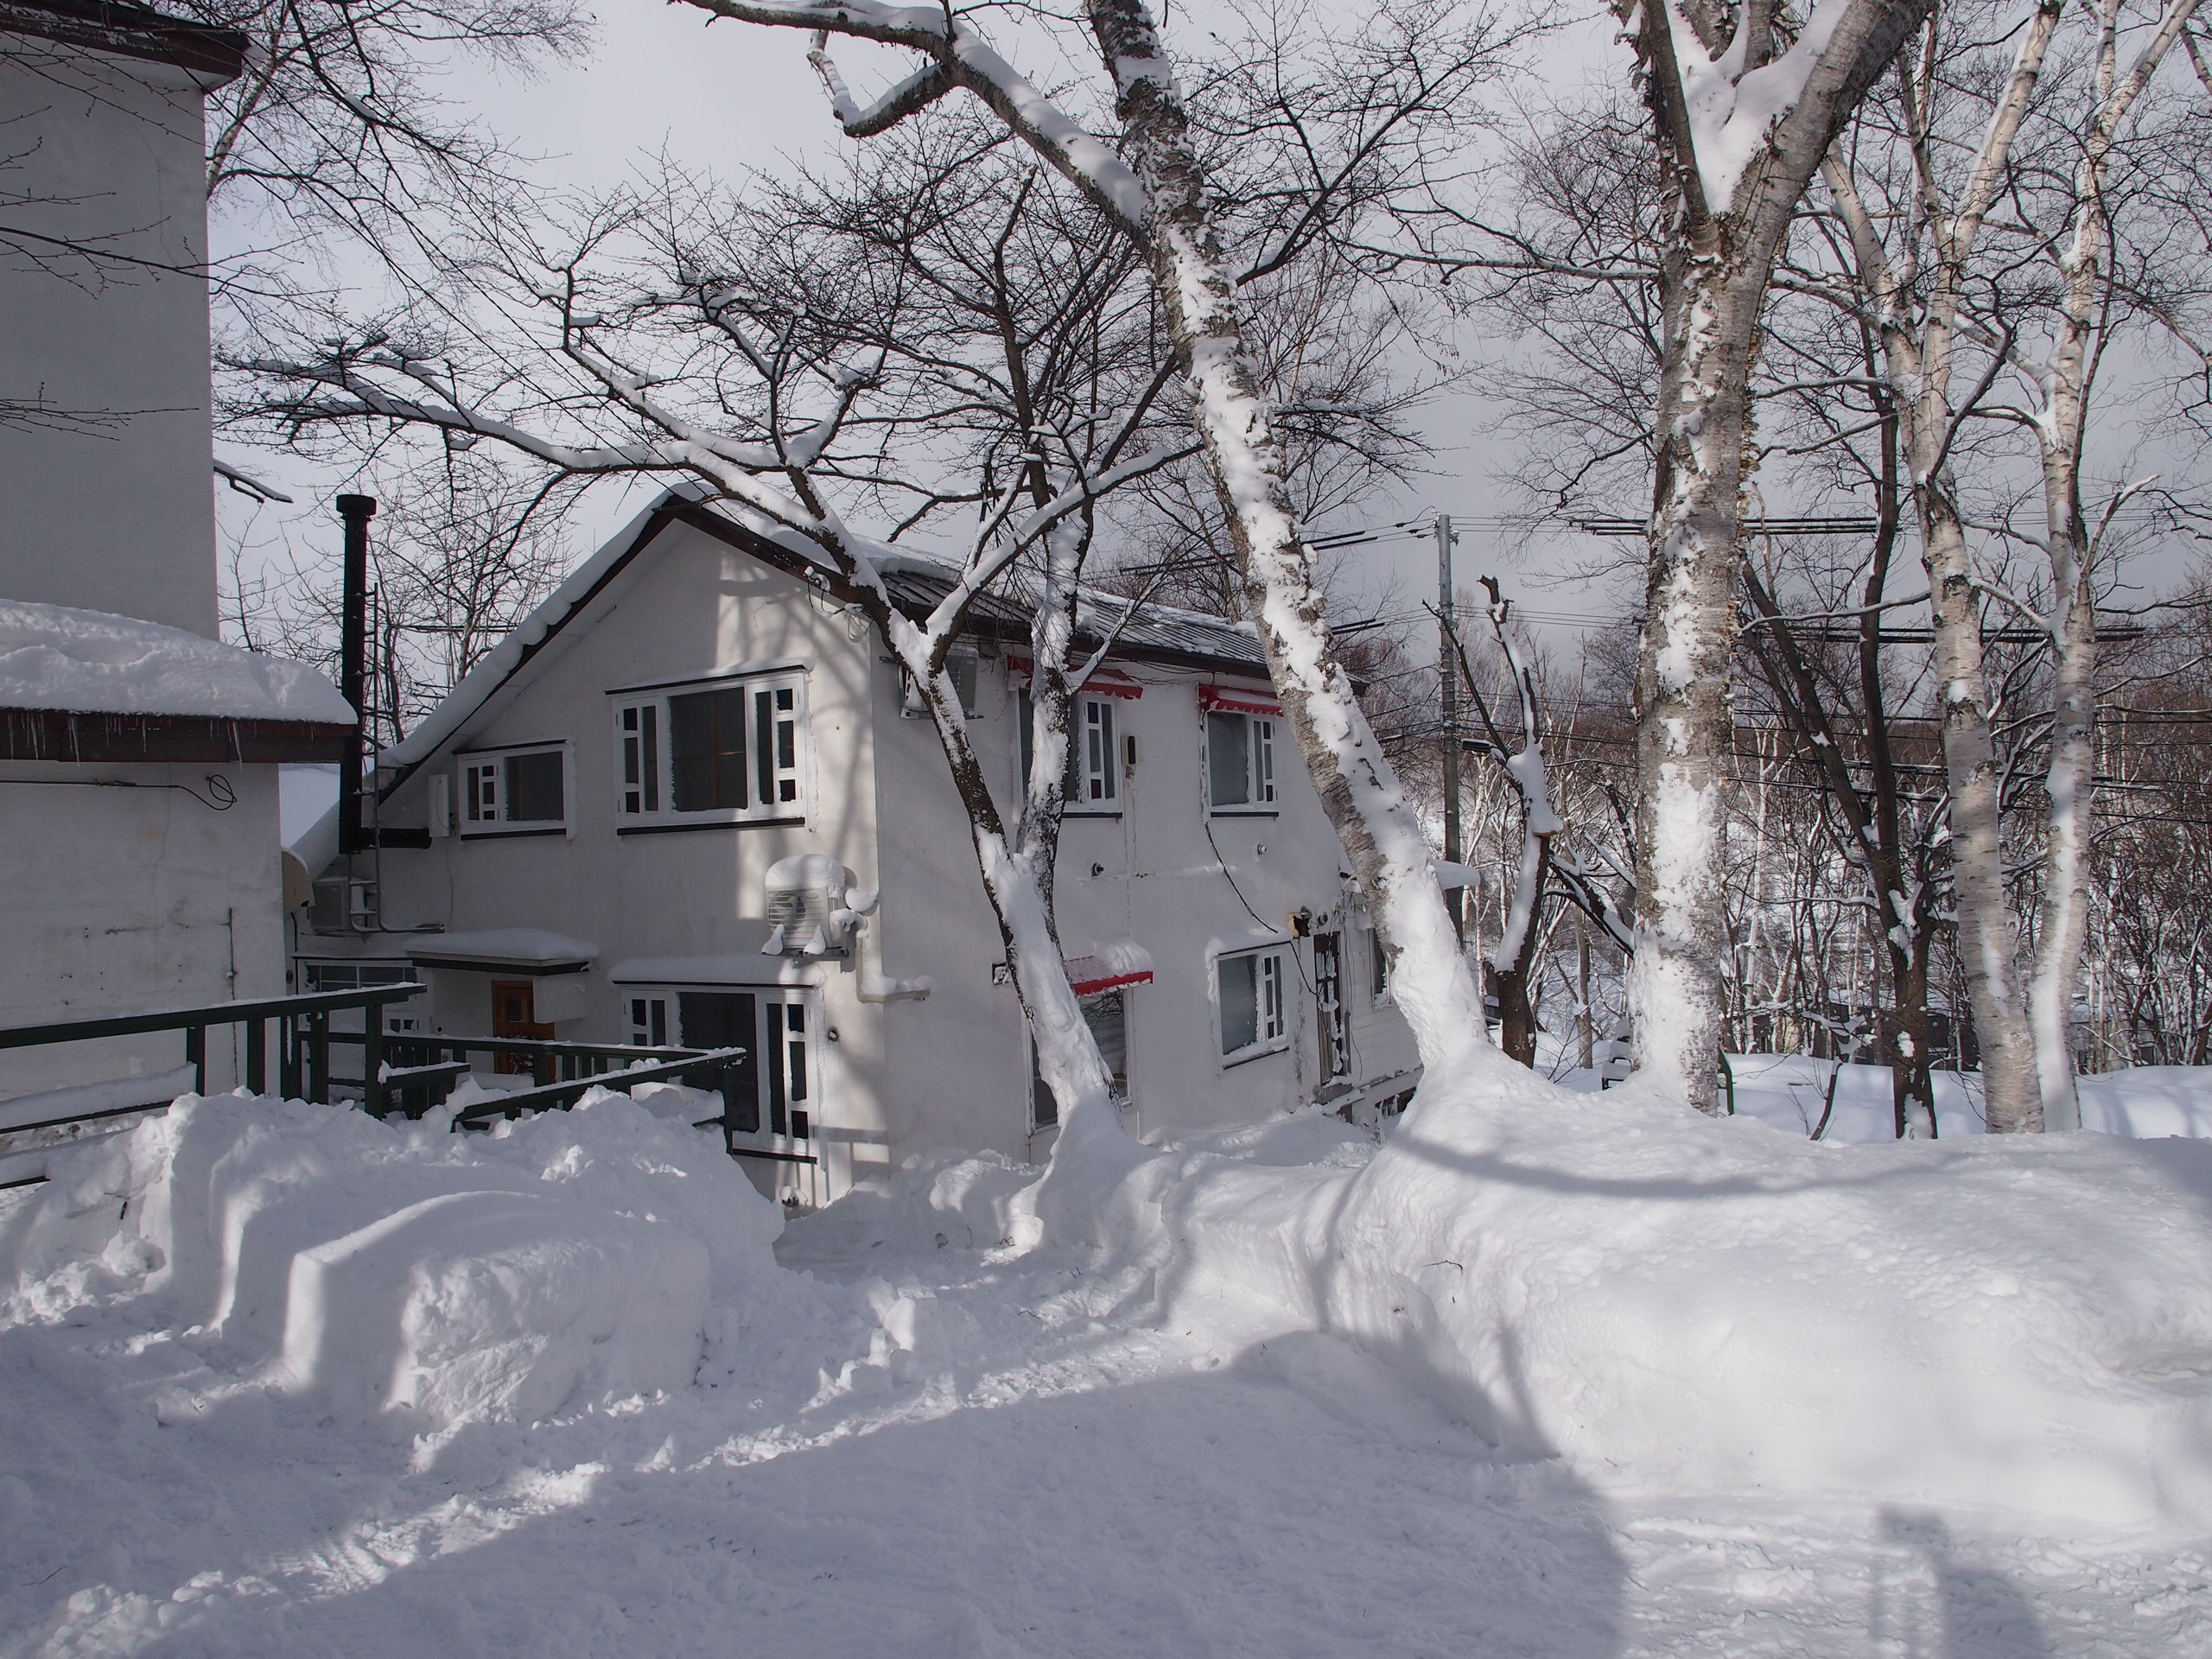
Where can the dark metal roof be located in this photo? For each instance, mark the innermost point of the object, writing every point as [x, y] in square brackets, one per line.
[1154, 633]
[132, 31]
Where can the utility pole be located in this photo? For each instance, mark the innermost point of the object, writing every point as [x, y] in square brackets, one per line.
[1448, 673]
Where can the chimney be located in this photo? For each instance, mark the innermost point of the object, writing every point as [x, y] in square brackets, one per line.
[353, 665]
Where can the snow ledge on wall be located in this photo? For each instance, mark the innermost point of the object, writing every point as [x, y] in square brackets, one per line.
[55, 657]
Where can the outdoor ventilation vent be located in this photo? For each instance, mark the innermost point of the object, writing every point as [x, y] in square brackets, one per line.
[811, 907]
[342, 906]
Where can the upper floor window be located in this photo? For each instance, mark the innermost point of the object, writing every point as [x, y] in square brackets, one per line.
[1240, 760]
[1097, 757]
[516, 790]
[715, 753]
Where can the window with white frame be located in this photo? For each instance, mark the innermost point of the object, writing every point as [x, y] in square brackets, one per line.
[648, 1021]
[713, 753]
[1099, 776]
[1240, 761]
[1095, 757]
[518, 791]
[1249, 988]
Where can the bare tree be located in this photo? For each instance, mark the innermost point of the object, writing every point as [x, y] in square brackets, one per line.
[937, 343]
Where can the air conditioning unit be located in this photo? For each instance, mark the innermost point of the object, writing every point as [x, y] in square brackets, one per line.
[811, 907]
[341, 905]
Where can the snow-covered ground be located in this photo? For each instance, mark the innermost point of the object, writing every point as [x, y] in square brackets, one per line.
[284, 1381]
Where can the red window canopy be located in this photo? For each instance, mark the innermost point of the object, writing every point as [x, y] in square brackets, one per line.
[1112, 964]
[1236, 698]
[1106, 683]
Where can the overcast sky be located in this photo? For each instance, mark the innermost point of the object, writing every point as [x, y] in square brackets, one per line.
[729, 97]
[726, 97]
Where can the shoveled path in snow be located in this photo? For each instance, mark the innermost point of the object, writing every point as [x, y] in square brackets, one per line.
[1045, 1471]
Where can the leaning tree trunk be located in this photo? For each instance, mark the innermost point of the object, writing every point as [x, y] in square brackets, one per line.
[1014, 879]
[1381, 832]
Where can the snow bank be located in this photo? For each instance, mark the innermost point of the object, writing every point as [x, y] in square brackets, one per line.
[2149, 1100]
[94, 663]
[406, 1274]
[1673, 1303]
[937, 1201]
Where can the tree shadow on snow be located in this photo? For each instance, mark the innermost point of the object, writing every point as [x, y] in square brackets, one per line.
[1936, 1604]
[1253, 1509]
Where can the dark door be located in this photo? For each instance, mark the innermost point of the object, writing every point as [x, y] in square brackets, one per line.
[514, 1008]
[727, 1019]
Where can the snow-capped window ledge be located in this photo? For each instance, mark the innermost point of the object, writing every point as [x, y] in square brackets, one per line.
[533, 952]
[1257, 1051]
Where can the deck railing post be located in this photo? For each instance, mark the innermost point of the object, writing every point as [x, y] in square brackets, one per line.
[372, 1100]
[319, 1057]
[195, 1056]
[256, 1056]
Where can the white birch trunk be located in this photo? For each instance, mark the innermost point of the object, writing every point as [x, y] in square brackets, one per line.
[1381, 834]
[1744, 119]
[2061, 426]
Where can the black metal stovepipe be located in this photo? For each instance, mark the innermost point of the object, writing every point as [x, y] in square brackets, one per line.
[352, 664]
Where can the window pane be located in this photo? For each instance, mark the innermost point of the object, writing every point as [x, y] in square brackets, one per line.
[652, 712]
[1263, 749]
[534, 793]
[706, 738]
[1240, 1002]
[1229, 763]
[1099, 769]
[1108, 1017]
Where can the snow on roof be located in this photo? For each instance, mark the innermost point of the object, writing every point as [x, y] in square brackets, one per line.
[750, 969]
[1110, 964]
[518, 945]
[912, 576]
[55, 657]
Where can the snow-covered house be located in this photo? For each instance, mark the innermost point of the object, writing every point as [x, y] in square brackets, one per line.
[138, 756]
[648, 808]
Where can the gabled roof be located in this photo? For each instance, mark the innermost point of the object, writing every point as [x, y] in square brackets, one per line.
[216, 55]
[917, 581]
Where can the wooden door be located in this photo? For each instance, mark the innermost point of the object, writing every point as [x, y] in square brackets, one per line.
[514, 1007]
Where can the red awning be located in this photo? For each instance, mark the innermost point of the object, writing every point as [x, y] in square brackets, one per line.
[1236, 698]
[1106, 683]
[1111, 965]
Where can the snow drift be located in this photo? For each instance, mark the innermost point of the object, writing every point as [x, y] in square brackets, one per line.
[403, 1273]
[1676, 1303]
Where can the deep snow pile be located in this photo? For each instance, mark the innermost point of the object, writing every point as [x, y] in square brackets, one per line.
[913, 1438]
[1794, 1091]
[404, 1274]
[1672, 1302]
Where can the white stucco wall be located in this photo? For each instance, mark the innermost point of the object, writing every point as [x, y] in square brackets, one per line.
[907, 1076]
[123, 901]
[118, 516]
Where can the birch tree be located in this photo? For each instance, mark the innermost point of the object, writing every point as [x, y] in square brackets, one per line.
[1153, 186]
[1744, 103]
[1949, 333]
[946, 346]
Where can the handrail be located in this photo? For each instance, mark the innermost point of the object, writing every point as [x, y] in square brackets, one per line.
[211, 1013]
[554, 1095]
